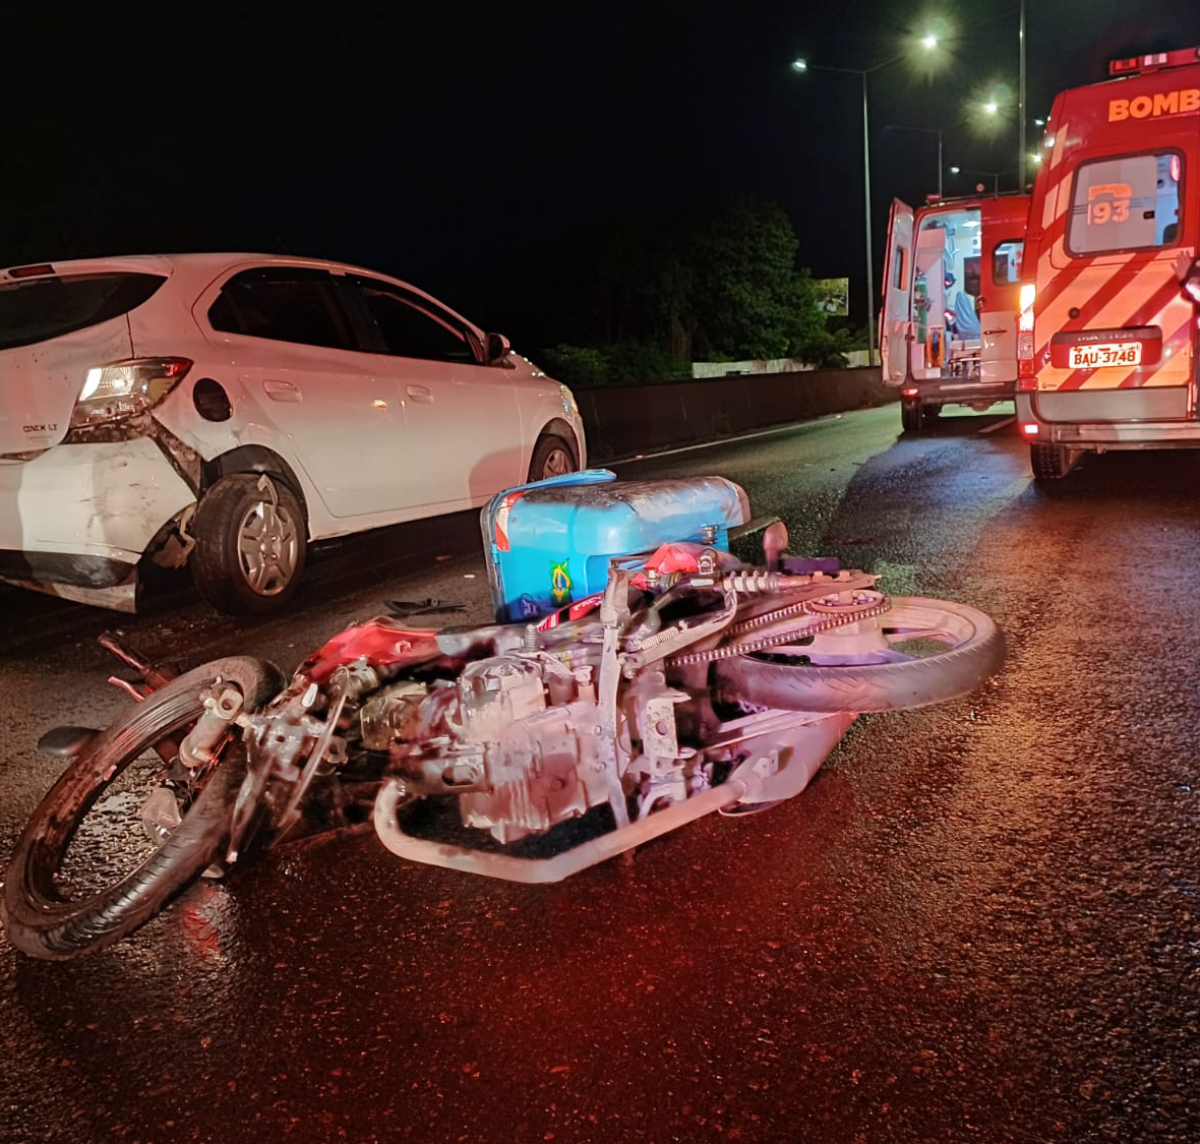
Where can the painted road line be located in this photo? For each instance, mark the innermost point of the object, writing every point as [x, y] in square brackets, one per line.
[999, 425]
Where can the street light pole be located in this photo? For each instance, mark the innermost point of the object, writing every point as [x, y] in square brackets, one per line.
[1021, 107]
[800, 65]
[867, 209]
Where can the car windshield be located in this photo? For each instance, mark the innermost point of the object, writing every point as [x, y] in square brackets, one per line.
[38, 309]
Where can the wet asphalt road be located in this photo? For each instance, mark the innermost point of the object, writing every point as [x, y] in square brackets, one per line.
[979, 922]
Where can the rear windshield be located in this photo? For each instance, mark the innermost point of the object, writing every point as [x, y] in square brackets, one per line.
[38, 309]
[1126, 203]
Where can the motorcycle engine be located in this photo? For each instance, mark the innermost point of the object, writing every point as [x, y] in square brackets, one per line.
[522, 753]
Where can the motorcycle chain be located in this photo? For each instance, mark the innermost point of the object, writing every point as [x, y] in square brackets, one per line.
[806, 607]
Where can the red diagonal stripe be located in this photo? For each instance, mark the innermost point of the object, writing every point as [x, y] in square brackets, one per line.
[1057, 227]
[1177, 340]
[1168, 291]
[1101, 297]
[1061, 280]
[1139, 317]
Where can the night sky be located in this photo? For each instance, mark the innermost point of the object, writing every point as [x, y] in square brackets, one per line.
[460, 147]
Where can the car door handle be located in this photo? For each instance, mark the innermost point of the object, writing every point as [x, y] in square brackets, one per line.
[420, 393]
[282, 390]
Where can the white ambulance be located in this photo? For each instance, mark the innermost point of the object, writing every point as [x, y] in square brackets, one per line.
[950, 300]
[1106, 349]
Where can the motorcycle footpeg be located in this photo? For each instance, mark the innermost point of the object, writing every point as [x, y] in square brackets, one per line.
[66, 742]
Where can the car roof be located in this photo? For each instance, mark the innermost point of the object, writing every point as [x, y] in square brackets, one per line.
[197, 270]
[167, 263]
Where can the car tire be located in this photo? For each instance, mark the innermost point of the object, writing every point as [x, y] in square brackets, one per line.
[251, 541]
[910, 416]
[1050, 462]
[552, 457]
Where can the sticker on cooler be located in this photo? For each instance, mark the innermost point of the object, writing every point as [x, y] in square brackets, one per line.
[502, 512]
[575, 611]
[560, 582]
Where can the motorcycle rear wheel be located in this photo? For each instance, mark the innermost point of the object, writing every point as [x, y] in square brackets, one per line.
[970, 647]
[39, 918]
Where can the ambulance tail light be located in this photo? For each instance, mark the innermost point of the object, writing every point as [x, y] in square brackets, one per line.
[1026, 369]
[1028, 296]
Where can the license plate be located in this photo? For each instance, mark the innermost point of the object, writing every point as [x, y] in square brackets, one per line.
[1104, 353]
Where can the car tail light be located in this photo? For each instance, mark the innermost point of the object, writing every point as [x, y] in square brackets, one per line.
[1030, 428]
[909, 391]
[124, 388]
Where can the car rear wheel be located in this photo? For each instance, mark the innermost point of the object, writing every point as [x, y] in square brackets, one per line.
[1050, 462]
[251, 540]
[910, 416]
[552, 457]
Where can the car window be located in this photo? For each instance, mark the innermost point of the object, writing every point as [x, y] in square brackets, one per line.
[1126, 203]
[411, 327]
[284, 304]
[38, 309]
[1006, 262]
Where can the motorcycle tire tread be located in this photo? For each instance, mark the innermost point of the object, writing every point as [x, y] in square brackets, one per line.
[41, 923]
[869, 687]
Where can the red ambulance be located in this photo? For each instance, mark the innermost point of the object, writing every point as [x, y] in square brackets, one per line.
[1106, 346]
[950, 302]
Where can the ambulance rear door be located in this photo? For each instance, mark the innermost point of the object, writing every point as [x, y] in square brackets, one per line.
[1114, 335]
[895, 324]
[1004, 221]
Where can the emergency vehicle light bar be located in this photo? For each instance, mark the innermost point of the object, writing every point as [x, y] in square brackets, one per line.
[1138, 65]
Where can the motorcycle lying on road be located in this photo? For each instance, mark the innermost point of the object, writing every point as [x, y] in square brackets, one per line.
[692, 683]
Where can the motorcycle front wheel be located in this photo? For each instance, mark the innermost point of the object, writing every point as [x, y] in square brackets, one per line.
[928, 651]
[86, 871]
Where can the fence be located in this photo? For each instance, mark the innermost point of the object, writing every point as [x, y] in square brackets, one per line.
[622, 421]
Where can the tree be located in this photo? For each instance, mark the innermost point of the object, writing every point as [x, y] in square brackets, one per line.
[747, 298]
[718, 280]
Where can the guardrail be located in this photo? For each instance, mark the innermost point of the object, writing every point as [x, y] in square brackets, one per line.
[623, 421]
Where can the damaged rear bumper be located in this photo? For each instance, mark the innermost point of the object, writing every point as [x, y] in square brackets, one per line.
[81, 516]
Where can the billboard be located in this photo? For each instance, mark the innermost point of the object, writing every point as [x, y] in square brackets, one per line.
[833, 296]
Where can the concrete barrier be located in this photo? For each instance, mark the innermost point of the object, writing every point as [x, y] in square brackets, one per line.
[625, 420]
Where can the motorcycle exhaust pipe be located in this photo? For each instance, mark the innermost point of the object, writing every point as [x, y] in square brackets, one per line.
[537, 871]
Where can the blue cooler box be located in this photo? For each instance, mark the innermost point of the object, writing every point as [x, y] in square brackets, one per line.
[551, 543]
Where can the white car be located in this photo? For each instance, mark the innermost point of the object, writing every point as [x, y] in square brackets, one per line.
[224, 410]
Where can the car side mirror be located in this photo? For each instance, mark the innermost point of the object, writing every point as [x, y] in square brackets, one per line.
[497, 348]
[1191, 282]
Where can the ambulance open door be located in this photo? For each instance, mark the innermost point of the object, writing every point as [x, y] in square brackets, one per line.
[895, 322]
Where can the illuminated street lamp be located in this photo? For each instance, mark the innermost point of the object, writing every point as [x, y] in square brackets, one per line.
[928, 43]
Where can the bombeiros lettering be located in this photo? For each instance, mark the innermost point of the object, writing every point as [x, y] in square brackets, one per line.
[1185, 101]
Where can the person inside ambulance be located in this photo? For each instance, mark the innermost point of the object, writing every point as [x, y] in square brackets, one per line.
[963, 320]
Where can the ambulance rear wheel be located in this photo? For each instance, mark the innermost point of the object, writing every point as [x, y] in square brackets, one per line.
[910, 416]
[1050, 462]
